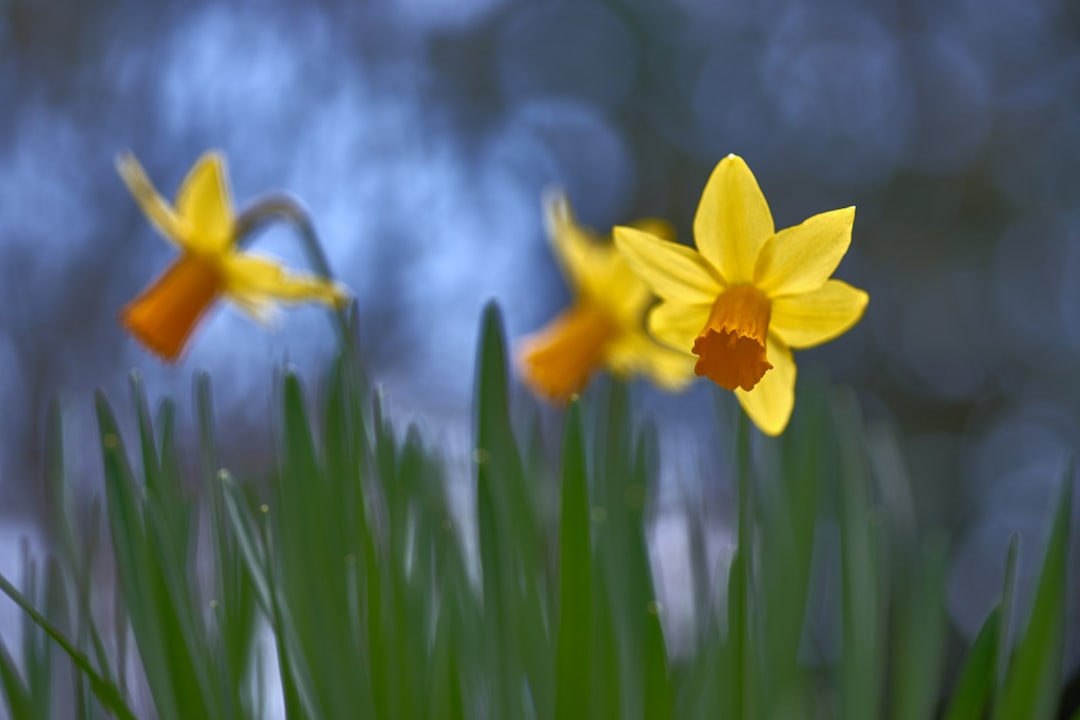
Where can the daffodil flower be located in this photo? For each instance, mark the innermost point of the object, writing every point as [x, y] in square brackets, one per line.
[210, 264]
[749, 294]
[605, 324]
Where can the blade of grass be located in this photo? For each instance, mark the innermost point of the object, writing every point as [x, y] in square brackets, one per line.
[1034, 677]
[502, 529]
[130, 548]
[658, 700]
[106, 692]
[16, 693]
[975, 686]
[311, 564]
[863, 567]
[574, 635]
[790, 502]
[920, 655]
[1008, 601]
[345, 455]
[167, 519]
[608, 667]
[35, 652]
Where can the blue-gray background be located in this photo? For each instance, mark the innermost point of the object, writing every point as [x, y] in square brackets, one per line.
[420, 133]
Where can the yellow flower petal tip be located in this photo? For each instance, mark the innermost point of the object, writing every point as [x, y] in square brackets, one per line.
[604, 327]
[748, 294]
[209, 265]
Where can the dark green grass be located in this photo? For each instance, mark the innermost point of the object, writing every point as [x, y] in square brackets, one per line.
[351, 559]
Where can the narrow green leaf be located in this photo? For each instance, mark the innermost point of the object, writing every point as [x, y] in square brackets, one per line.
[133, 563]
[1006, 633]
[16, 693]
[978, 677]
[445, 701]
[151, 468]
[574, 635]
[1034, 677]
[657, 700]
[107, 693]
[920, 655]
[503, 526]
[608, 666]
[863, 570]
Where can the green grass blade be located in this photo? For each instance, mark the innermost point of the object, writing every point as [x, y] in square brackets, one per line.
[106, 692]
[1035, 672]
[151, 467]
[920, 656]
[502, 530]
[863, 567]
[574, 634]
[608, 666]
[245, 532]
[165, 614]
[445, 701]
[978, 677]
[789, 504]
[16, 693]
[658, 701]
[1008, 600]
[132, 561]
[36, 661]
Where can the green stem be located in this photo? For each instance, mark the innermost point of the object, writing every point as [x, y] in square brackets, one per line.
[282, 206]
[105, 690]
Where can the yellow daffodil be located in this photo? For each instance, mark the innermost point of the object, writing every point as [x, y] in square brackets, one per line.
[605, 325]
[749, 294]
[210, 265]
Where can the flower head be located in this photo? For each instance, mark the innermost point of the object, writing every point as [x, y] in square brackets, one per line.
[210, 265]
[749, 294]
[605, 324]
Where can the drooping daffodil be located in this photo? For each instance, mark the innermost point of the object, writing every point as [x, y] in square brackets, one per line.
[748, 295]
[210, 265]
[604, 327]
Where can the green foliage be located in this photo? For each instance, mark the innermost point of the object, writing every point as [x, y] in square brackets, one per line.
[350, 567]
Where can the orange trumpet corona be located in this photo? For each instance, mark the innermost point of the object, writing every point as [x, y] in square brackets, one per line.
[731, 346]
[164, 315]
[559, 360]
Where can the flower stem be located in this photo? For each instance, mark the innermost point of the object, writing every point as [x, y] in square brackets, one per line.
[282, 206]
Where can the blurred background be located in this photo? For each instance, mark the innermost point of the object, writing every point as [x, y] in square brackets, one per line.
[421, 133]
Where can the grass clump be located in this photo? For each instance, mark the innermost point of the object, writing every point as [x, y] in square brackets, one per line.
[351, 561]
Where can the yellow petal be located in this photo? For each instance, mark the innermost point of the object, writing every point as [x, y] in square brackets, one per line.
[657, 227]
[801, 258]
[593, 268]
[732, 221]
[171, 225]
[623, 293]
[671, 270]
[573, 244]
[637, 354]
[803, 321]
[770, 403]
[253, 281]
[678, 325]
[205, 202]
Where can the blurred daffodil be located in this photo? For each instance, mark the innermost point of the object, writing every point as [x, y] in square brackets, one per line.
[210, 265]
[605, 325]
[749, 294]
